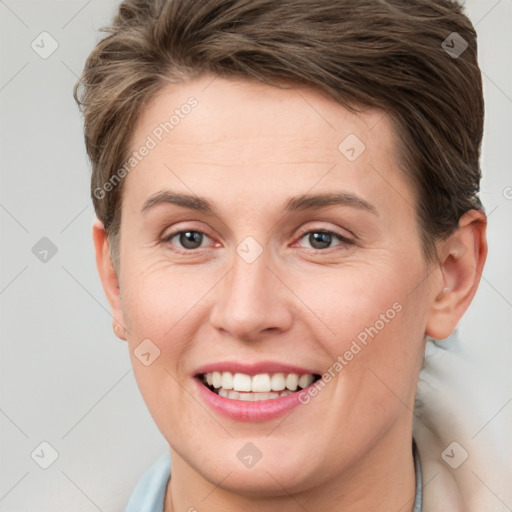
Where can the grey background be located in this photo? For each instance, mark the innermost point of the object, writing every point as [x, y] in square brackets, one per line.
[65, 378]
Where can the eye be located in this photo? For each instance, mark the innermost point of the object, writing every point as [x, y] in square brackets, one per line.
[188, 239]
[323, 239]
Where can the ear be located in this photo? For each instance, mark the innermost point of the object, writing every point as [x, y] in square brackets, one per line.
[461, 259]
[108, 277]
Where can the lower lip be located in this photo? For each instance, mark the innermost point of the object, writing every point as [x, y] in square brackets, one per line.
[261, 410]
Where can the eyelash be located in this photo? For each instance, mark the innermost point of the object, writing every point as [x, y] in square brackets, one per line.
[344, 240]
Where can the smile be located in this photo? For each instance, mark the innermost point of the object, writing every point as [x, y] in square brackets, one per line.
[262, 386]
[252, 392]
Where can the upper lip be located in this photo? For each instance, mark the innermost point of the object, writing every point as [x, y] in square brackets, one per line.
[253, 368]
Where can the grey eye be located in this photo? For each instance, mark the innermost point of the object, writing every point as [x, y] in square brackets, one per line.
[189, 239]
[319, 240]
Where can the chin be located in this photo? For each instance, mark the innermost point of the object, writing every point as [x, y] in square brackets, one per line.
[257, 466]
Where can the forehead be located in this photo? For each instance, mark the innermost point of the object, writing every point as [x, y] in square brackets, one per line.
[245, 134]
[259, 112]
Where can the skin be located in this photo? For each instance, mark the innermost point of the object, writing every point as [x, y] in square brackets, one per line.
[248, 148]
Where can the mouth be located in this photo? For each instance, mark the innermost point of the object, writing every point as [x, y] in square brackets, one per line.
[255, 388]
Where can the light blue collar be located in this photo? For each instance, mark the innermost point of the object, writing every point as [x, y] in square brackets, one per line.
[149, 493]
[418, 501]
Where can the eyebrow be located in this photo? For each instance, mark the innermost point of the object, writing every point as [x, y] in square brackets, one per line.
[186, 200]
[299, 203]
[312, 202]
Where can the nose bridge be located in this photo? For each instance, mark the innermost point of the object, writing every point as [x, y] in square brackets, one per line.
[250, 301]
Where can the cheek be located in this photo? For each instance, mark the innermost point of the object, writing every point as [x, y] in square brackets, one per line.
[160, 298]
[167, 305]
[361, 303]
[162, 304]
[372, 330]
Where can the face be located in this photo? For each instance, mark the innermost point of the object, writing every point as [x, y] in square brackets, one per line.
[269, 238]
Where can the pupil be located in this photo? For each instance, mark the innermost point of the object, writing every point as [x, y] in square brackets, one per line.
[320, 240]
[190, 239]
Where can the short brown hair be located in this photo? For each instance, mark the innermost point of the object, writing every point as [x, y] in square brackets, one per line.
[389, 54]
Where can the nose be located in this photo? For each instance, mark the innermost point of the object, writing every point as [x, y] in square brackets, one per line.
[251, 301]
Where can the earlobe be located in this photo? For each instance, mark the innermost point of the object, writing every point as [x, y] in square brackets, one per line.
[108, 277]
[461, 259]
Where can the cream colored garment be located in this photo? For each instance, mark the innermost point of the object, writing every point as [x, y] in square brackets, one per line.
[465, 468]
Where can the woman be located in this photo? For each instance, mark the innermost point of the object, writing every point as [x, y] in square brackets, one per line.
[287, 210]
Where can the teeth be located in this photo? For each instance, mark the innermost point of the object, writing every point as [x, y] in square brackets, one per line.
[292, 381]
[242, 382]
[262, 386]
[216, 379]
[305, 381]
[250, 397]
[278, 382]
[261, 383]
[227, 380]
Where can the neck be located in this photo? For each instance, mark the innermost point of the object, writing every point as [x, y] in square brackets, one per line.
[382, 480]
